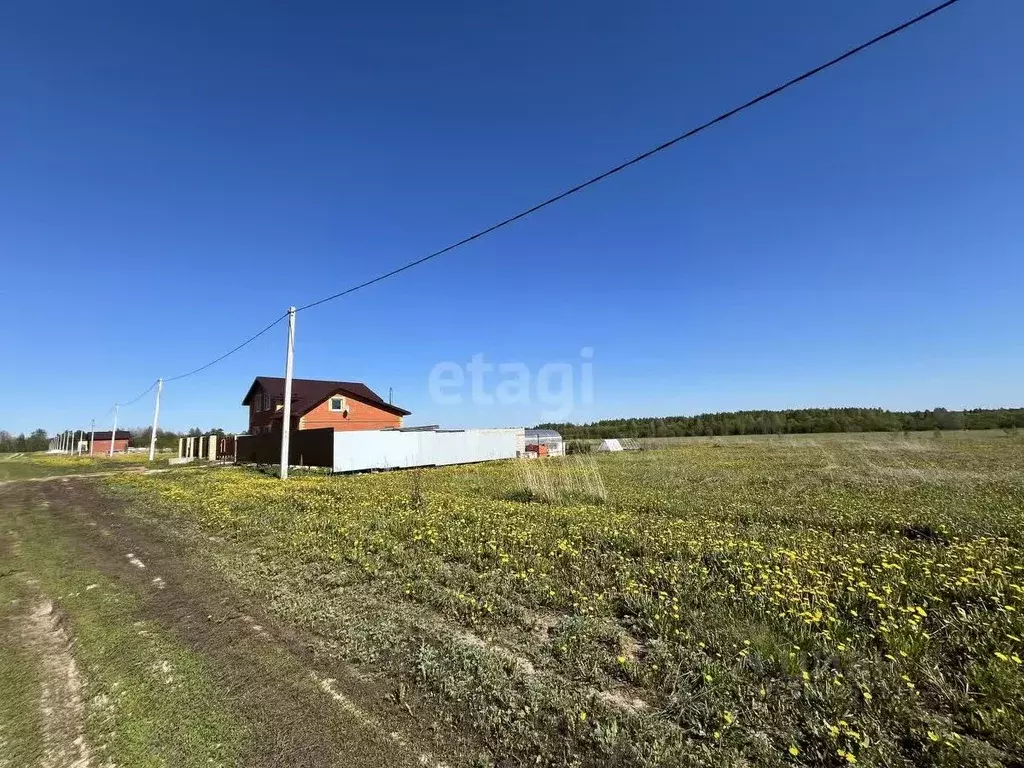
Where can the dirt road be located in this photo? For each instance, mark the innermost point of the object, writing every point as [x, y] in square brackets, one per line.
[155, 641]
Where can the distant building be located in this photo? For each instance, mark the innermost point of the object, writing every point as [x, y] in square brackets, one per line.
[101, 442]
[343, 406]
[544, 442]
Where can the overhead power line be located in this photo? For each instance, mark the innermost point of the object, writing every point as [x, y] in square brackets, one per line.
[642, 156]
[141, 395]
[573, 190]
[200, 368]
[227, 354]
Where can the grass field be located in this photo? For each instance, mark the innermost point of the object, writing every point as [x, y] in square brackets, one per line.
[87, 679]
[26, 466]
[820, 600]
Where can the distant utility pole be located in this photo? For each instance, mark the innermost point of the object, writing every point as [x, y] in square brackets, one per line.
[156, 417]
[113, 432]
[72, 447]
[286, 424]
[92, 434]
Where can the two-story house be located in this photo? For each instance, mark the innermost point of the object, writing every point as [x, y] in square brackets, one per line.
[343, 405]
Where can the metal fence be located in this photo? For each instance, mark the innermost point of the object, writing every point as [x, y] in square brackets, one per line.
[362, 450]
[306, 448]
[394, 449]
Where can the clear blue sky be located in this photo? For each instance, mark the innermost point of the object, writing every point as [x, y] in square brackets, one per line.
[174, 175]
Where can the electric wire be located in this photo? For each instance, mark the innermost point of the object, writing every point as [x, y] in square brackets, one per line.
[642, 156]
[200, 368]
[227, 354]
[142, 395]
[573, 190]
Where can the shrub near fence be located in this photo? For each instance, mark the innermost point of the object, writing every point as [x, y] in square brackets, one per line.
[306, 447]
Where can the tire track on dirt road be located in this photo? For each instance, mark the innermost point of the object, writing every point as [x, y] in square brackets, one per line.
[300, 710]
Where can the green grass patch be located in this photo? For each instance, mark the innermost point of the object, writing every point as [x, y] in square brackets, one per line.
[28, 466]
[148, 700]
[21, 717]
[780, 601]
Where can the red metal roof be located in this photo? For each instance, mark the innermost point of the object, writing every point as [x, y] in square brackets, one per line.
[309, 393]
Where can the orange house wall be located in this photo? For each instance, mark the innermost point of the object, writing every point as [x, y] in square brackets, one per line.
[361, 416]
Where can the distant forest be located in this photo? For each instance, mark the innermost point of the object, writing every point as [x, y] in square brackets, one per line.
[802, 420]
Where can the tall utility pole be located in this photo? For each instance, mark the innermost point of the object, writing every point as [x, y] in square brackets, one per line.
[113, 432]
[74, 432]
[92, 434]
[156, 418]
[286, 423]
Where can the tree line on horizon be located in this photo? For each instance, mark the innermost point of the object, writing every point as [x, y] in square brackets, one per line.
[794, 421]
[39, 440]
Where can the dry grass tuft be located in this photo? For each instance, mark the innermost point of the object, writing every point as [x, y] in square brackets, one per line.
[574, 478]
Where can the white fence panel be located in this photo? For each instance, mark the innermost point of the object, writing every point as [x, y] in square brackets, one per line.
[356, 451]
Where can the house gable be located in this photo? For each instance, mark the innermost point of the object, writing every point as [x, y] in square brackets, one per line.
[356, 414]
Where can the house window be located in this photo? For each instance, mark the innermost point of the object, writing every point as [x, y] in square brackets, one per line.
[337, 403]
[266, 402]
